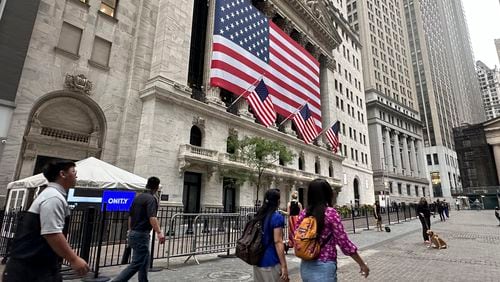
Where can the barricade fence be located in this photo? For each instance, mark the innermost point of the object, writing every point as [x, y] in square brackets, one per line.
[101, 237]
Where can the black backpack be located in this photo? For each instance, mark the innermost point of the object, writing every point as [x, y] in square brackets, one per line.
[250, 247]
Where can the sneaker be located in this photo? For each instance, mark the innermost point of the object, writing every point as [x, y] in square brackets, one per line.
[427, 242]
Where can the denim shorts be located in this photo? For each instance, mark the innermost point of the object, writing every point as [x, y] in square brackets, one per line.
[316, 270]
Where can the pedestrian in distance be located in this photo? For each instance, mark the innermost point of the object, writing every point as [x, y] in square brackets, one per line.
[497, 215]
[320, 201]
[294, 208]
[272, 266]
[141, 221]
[378, 216]
[457, 204]
[446, 208]
[440, 209]
[40, 245]
[424, 215]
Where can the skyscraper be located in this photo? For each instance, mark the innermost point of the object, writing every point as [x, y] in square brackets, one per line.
[489, 80]
[394, 122]
[432, 54]
[497, 45]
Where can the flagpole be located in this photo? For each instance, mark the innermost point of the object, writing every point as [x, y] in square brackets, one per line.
[292, 114]
[253, 84]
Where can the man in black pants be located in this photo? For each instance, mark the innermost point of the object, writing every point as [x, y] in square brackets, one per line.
[40, 244]
[141, 220]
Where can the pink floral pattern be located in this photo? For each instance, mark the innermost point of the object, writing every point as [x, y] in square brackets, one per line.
[333, 226]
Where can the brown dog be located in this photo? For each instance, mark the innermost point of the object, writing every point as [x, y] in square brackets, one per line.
[436, 241]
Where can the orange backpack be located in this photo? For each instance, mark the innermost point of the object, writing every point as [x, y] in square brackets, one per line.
[306, 240]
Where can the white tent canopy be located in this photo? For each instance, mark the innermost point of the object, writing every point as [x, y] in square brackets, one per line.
[92, 173]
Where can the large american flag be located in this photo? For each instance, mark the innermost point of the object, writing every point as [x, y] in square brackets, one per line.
[332, 134]
[305, 124]
[246, 46]
[262, 106]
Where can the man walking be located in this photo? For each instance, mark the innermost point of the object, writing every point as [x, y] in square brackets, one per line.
[141, 220]
[40, 243]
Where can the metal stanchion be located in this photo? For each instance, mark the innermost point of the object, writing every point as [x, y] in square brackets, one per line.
[96, 277]
[353, 225]
[367, 223]
[151, 257]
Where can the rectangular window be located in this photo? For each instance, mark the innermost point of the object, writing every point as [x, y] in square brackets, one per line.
[69, 39]
[101, 51]
[408, 189]
[429, 160]
[400, 189]
[416, 191]
[436, 159]
[108, 7]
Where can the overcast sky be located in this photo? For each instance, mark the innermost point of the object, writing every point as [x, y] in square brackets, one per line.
[483, 18]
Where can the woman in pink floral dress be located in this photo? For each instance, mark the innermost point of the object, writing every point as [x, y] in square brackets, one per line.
[320, 199]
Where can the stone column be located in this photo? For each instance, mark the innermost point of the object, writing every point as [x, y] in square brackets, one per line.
[496, 152]
[397, 155]
[243, 110]
[212, 93]
[413, 156]
[420, 159]
[388, 155]
[406, 161]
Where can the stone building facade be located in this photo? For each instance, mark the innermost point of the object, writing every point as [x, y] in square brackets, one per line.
[127, 82]
[489, 81]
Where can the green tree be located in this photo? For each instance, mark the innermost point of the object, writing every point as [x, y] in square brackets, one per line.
[258, 154]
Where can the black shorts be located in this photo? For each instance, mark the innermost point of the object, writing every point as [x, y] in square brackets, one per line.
[19, 271]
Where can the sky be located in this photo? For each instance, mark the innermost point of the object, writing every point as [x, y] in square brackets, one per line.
[483, 18]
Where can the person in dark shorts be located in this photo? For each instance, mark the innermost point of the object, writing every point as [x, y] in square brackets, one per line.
[377, 212]
[39, 244]
[141, 221]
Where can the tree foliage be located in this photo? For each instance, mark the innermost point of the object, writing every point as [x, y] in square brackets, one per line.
[258, 154]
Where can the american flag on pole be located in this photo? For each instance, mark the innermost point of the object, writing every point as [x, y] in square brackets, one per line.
[262, 106]
[247, 46]
[305, 124]
[332, 134]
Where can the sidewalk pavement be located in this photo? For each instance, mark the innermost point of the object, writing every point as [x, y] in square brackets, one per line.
[214, 268]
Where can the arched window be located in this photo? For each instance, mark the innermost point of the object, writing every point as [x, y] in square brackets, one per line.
[301, 163]
[317, 167]
[195, 137]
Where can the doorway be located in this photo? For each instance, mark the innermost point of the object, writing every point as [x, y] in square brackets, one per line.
[356, 192]
[191, 193]
[229, 199]
[41, 161]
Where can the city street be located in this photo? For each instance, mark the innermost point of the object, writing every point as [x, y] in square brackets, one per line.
[473, 255]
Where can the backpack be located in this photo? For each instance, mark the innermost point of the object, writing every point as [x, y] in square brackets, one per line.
[306, 240]
[250, 247]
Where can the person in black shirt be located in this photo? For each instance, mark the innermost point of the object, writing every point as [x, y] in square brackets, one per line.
[377, 213]
[39, 244]
[141, 221]
[424, 214]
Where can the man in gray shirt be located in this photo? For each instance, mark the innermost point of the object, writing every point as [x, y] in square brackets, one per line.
[40, 243]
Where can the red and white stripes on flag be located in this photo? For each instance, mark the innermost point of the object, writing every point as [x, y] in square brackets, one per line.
[305, 124]
[262, 105]
[332, 134]
[246, 46]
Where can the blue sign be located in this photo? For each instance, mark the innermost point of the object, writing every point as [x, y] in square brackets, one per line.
[117, 200]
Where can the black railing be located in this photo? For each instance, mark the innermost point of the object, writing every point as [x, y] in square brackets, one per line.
[100, 238]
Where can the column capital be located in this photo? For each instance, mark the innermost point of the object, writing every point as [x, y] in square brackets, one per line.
[397, 132]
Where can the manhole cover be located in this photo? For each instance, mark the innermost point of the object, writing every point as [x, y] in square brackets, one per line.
[229, 275]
